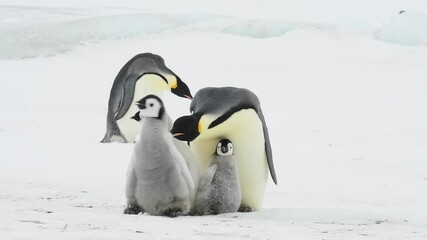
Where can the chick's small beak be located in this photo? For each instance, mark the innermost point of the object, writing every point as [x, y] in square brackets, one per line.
[224, 149]
[141, 106]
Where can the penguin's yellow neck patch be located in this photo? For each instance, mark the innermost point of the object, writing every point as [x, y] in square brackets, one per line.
[200, 127]
[173, 83]
[204, 122]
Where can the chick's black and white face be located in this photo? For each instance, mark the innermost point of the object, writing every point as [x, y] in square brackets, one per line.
[224, 148]
[150, 107]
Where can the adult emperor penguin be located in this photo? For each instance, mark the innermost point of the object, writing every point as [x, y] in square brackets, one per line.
[235, 114]
[219, 189]
[159, 181]
[144, 74]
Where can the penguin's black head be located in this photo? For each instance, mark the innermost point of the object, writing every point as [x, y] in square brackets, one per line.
[186, 128]
[181, 89]
[136, 117]
[224, 148]
[151, 106]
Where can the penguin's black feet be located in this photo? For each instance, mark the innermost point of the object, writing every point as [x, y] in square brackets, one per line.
[132, 209]
[193, 213]
[173, 212]
[244, 208]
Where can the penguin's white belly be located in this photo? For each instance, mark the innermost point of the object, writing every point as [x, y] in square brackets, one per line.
[147, 84]
[192, 164]
[244, 130]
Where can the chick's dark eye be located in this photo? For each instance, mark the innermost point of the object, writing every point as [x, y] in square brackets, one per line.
[151, 104]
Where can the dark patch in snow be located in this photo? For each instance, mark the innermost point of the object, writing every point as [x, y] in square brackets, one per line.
[32, 221]
[381, 221]
[84, 206]
[44, 211]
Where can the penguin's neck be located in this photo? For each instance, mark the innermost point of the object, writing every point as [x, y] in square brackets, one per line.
[225, 161]
[156, 127]
[150, 84]
[154, 134]
[145, 85]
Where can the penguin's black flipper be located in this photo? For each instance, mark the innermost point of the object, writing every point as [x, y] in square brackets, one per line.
[237, 99]
[258, 110]
[126, 96]
[268, 151]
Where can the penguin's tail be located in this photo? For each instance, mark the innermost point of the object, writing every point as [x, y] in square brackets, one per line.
[106, 139]
[109, 138]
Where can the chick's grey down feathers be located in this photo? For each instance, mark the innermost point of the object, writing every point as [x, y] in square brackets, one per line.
[219, 189]
[159, 181]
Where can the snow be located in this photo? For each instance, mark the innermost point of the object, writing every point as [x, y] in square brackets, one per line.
[407, 28]
[46, 28]
[346, 113]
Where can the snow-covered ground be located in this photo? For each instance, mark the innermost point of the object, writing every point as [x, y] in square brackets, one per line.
[346, 110]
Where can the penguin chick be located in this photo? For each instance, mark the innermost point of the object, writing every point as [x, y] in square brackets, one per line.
[158, 180]
[184, 149]
[219, 189]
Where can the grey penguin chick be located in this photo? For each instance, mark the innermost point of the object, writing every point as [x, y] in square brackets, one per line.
[188, 155]
[219, 189]
[158, 180]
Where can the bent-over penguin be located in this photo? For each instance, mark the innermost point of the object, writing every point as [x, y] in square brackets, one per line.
[158, 180]
[144, 74]
[235, 114]
[219, 189]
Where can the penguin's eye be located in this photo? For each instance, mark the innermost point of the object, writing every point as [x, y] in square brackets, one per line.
[151, 105]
